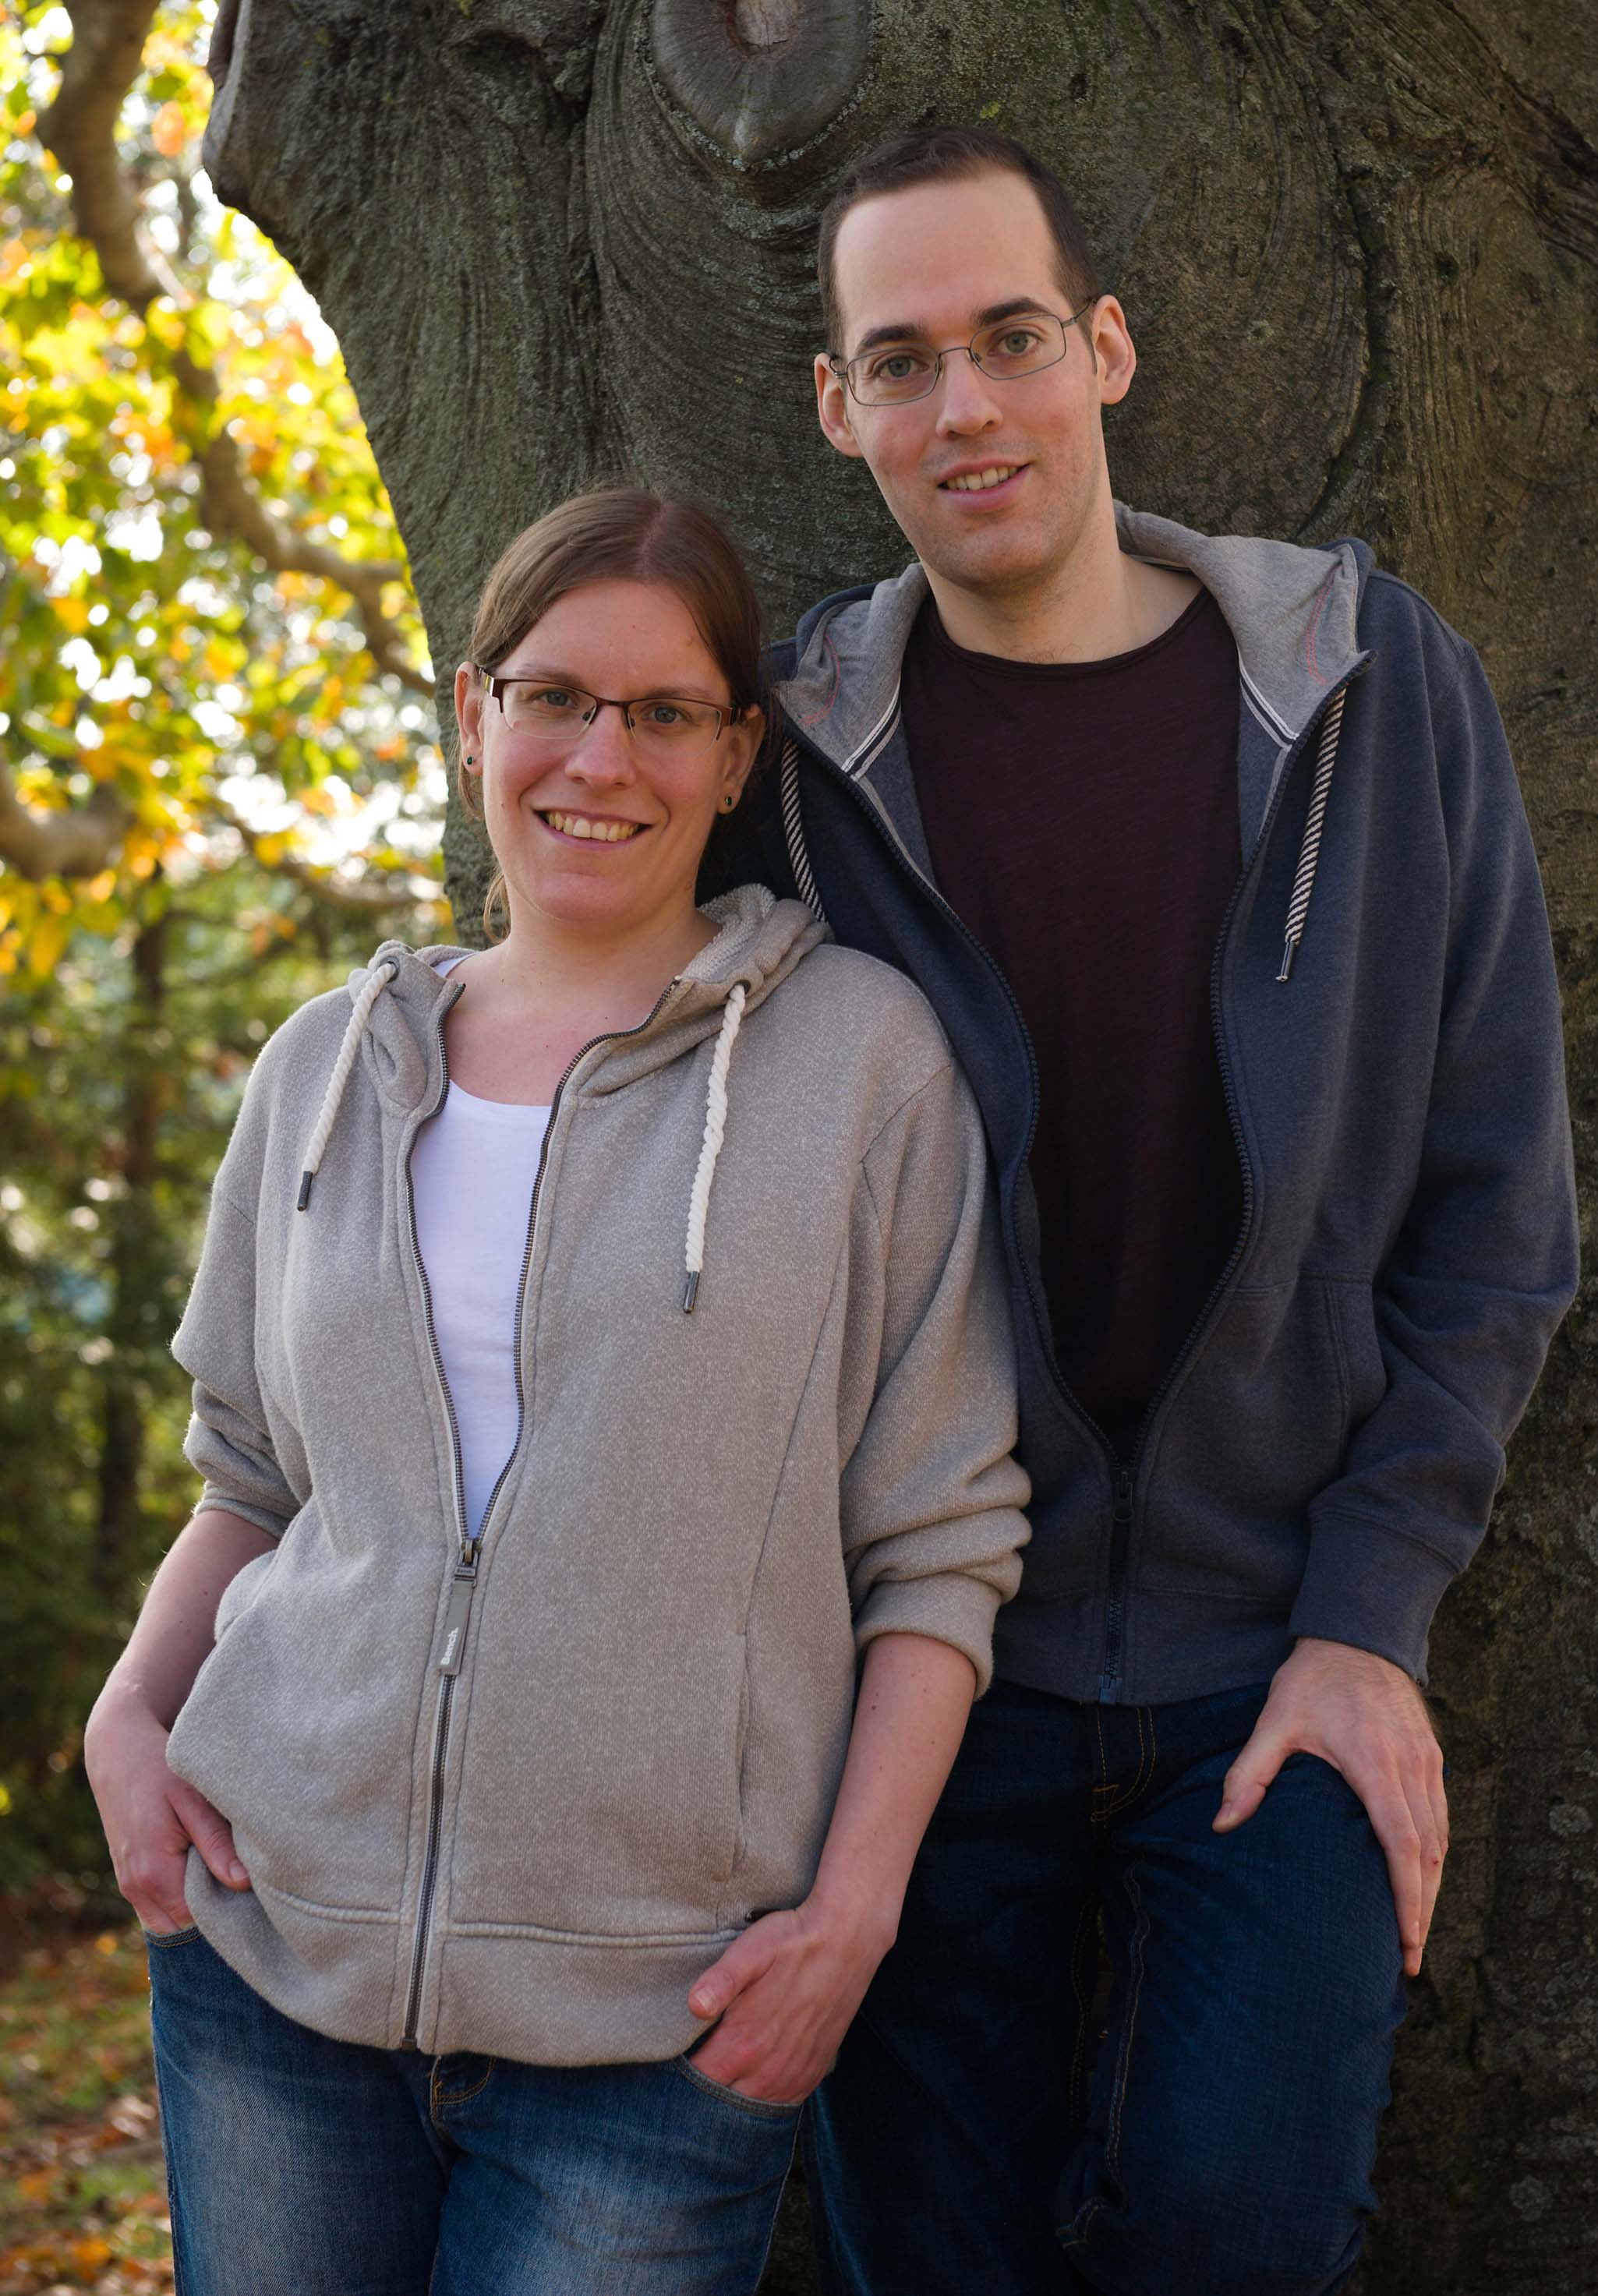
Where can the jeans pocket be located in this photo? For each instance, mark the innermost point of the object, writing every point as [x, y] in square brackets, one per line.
[756, 2108]
[163, 1941]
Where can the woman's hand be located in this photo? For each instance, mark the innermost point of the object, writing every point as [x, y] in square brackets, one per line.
[150, 1815]
[786, 1993]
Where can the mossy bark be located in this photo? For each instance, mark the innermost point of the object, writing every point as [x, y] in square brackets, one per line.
[565, 241]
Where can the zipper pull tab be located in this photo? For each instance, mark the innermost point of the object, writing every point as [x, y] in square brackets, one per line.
[1123, 1495]
[460, 1608]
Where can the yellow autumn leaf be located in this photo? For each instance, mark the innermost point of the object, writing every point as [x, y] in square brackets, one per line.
[46, 944]
[74, 612]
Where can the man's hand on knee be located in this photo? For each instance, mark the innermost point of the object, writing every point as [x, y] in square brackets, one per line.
[1368, 1720]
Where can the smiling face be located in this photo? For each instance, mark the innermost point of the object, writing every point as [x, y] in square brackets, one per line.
[994, 482]
[604, 831]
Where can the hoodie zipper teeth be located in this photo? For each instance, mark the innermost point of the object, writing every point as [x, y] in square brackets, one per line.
[1122, 1473]
[465, 1568]
[1121, 1543]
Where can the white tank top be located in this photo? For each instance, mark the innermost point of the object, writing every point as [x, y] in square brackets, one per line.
[472, 1169]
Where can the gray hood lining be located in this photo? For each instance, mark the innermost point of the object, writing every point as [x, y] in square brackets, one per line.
[1292, 611]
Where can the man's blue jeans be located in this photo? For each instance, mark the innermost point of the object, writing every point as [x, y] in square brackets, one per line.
[300, 2166]
[1208, 2132]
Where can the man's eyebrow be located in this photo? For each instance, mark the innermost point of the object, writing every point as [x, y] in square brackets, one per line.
[906, 331]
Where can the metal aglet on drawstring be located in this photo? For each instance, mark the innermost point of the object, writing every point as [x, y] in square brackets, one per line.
[340, 1078]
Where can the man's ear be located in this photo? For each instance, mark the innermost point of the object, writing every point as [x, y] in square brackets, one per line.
[832, 409]
[1113, 351]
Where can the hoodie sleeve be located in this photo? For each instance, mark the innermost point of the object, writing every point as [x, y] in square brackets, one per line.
[230, 1441]
[1485, 1263]
[930, 1498]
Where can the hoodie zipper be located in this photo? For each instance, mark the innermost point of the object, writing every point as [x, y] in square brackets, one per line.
[1121, 1542]
[1122, 1472]
[464, 1576]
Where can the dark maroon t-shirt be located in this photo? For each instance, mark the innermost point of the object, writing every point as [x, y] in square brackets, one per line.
[1082, 819]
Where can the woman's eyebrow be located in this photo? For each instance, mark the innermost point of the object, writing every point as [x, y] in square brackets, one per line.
[685, 691]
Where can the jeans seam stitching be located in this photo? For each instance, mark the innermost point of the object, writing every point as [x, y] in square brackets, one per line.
[1083, 2005]
[763, 2108]
[459, 2096]
[1139, 1939]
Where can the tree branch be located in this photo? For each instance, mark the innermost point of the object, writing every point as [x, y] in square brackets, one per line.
[370, 895]
[79, 128]
[77, 843]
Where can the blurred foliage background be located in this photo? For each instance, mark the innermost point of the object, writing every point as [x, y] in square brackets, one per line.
[219, 785]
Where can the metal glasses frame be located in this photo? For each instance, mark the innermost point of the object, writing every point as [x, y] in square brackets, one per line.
[493, 685]
[844, 368]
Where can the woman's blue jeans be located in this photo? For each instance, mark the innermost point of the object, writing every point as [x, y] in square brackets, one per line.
[301, 2166]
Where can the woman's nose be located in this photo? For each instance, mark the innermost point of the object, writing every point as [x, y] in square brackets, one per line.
[604, 753]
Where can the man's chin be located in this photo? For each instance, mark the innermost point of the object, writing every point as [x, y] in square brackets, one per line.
[997, 562]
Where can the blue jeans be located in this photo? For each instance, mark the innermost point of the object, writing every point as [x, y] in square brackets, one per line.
[301, 2166]
[1210, 2129]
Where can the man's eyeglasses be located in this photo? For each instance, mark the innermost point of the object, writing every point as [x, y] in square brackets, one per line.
[560, 714]
[893, 374]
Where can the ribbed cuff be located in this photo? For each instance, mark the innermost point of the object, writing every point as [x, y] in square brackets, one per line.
[1372, 1588]
[949, 1608]
[215, 1495]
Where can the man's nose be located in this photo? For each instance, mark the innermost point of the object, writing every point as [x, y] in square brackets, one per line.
[967, 399]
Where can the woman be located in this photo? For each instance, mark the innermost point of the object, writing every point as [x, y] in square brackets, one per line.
[598, 1345]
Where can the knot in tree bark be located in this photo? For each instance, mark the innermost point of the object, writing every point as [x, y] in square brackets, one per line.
[760, 77]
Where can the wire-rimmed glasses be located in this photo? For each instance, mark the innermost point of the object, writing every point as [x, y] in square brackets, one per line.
[550, 710]
[893, 374]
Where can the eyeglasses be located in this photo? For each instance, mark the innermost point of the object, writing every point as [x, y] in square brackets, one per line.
[558, 716]
[894, 373]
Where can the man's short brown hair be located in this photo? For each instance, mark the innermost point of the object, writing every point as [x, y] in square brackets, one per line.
[930, 155]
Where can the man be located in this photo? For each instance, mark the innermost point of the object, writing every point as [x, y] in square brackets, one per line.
[1210, 855]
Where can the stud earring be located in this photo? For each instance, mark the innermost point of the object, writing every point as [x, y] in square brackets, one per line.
[470, 760]
[729, 801]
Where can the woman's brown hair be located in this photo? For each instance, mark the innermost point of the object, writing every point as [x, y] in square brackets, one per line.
[621, 534]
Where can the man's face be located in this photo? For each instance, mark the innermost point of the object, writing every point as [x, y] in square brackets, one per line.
[931, 265]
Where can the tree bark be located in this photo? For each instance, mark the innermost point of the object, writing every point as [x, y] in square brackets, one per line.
[568, 240]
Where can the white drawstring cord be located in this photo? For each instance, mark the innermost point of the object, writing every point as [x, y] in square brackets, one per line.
[716, 1125]
[334, 1093]
[1310, 852]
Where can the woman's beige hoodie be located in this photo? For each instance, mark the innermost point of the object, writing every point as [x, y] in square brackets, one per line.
[514, 1793]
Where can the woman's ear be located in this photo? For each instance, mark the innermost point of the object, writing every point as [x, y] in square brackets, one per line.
[746, 737]
[468, 715]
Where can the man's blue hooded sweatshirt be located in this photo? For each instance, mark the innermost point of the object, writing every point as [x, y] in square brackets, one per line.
[1322, 1457]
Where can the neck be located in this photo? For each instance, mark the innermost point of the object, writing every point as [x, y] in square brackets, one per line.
[548, 963]
[1088, 604]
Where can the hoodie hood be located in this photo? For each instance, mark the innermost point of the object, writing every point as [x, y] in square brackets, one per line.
[399, 1002]
[1292, 611]
[1293, 614]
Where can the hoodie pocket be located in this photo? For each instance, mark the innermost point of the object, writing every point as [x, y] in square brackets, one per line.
[1354, 1305]
[599, 1797]
[300, 1723]
[1258, 1430]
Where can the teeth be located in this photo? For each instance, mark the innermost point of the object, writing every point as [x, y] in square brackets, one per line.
[606, 833]
[977, 481]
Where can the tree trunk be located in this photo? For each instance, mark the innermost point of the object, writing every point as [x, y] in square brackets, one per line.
[567, 241]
